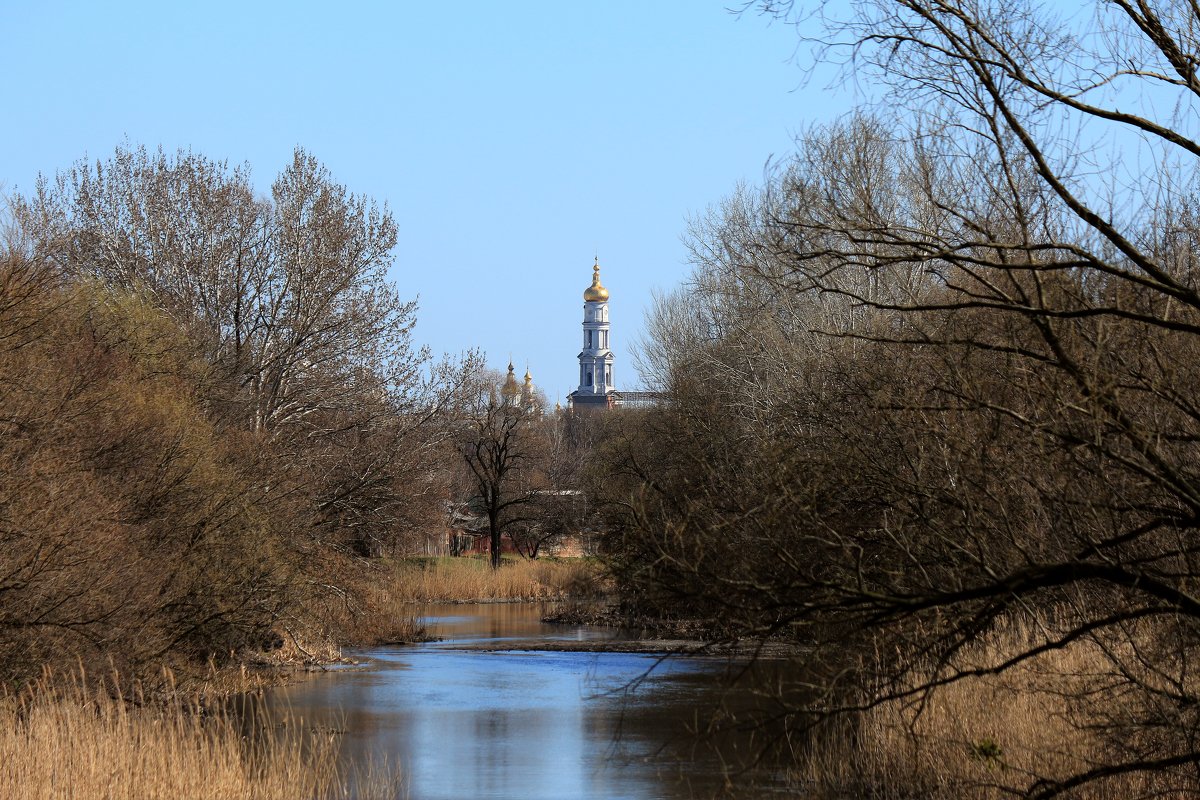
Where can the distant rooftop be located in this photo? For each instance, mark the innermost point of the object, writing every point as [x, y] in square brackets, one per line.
[639, 398]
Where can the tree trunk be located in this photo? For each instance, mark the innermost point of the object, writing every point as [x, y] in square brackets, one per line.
[494, 530]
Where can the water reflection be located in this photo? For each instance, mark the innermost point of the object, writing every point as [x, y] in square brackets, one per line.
[527, 723]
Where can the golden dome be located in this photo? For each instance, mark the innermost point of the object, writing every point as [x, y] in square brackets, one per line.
[509, 389]
[595, 293]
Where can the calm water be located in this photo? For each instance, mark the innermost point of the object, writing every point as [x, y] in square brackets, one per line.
[520, 723]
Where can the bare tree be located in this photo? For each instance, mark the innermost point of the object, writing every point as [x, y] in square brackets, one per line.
[998, 423]
[558, 508]
[290, 296]
[497, 447]
[310, 343]
[219, 394]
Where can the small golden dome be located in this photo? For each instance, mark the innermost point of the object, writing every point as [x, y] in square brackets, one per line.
[595, 293]
[509, 389]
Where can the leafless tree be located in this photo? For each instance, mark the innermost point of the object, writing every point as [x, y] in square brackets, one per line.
[290, 295]
[558, 508]
[309, 341]
[997, 423]
[217, 396]
[497, 445]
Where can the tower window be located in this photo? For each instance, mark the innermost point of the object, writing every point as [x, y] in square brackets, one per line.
[589, 339]
[589, 379]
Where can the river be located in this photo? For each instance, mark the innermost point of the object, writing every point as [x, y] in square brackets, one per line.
[497, 709]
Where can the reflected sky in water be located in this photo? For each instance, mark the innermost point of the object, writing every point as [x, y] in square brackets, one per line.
[525, 724]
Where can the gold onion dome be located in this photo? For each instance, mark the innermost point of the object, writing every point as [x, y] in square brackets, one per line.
[595, 293]
[509, 389]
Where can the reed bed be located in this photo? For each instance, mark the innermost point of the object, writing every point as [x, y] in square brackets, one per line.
[467, 579]
[77, 743]
[983, 738]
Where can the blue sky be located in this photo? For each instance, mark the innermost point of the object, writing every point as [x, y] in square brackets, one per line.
[512, 141]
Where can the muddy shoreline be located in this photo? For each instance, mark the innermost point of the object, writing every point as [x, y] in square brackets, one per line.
[668, 648]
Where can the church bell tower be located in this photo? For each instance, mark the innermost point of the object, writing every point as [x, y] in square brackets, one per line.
[596, 359]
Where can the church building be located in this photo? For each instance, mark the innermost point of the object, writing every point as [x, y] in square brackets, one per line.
[596, 389]
[523, 396]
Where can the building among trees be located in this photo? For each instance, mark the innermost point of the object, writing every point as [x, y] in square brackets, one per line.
[596, 359]
[523, 396]
[596, 388]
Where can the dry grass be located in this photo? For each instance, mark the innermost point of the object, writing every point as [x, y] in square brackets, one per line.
[473, 580]
[372, 619]
[76, 744]
[984, 737]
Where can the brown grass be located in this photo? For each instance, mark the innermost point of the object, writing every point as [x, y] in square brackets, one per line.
[982, 737]
[473, 580]
[75, 743]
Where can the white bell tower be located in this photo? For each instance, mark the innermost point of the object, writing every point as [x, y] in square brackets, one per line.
[596, 359]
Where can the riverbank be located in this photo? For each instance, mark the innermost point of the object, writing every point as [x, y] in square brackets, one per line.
[386, 602]
[578, 584]
[655, 647]
[75, 738]
[169, 736]
[470, 579]
[389, 598]
[596, 611]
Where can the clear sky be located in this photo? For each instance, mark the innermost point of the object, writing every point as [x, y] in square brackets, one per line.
[512, 141]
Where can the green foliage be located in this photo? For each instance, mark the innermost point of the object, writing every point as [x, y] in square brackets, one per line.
[988, 751]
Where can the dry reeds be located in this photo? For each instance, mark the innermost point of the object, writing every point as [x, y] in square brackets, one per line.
[473, 580]
[75, 742]
[984, 737]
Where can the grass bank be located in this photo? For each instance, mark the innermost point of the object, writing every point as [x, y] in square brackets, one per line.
[468, 579]
[73, 741]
